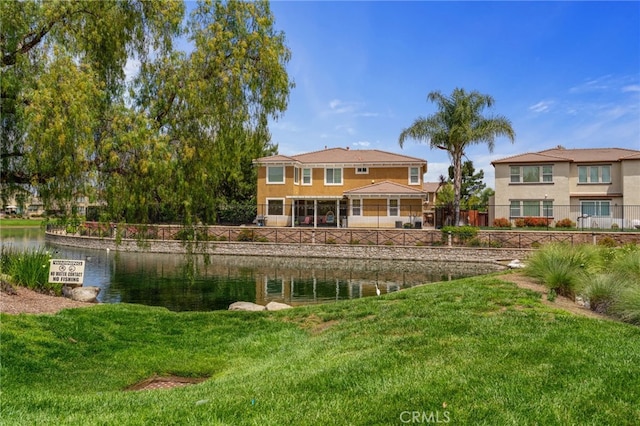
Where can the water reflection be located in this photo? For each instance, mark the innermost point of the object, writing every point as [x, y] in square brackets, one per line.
[204, 283]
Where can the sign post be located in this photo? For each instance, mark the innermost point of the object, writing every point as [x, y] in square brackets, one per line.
[63, 271]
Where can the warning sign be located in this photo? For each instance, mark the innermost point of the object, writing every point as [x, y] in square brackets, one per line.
[66, 271]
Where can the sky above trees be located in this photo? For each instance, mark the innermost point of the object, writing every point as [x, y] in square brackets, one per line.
[564, 73]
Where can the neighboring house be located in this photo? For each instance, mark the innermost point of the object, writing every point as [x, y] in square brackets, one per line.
[429, 205]
[597, 188]
[342, 188]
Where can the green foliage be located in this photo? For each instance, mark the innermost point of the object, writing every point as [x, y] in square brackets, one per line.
[459, 233]
[564, 268]
[246, 235]
[607, 242]
[502, 222]
[602, 291]
[174, 146]
[28, 268]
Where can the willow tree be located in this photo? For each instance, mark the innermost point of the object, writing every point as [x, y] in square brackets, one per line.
[457, 124]
[172, 141]
[213, 104]
[62, 72]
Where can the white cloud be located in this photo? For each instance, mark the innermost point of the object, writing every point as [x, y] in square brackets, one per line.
[597, 84]
[631, 88]
[337, 106]
[361, 143]
[542, 106]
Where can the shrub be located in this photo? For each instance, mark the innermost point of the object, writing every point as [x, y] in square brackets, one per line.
[502, 222]
[29, 268]
[563, 268]
[519, 223]
[627, 307]
[245, 235]
[615, 227]
[565, 223]
[461, 233]
[535, 222]
[602, 292]
[607, 242]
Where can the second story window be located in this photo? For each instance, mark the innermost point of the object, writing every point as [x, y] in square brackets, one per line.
[594, 174]
[531, 174]
[296, 175]
[306, 176]
[362, 170]
[275, 174]
[414, 176]
[333, 176]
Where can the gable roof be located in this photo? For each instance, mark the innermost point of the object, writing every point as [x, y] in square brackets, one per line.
[430, 186]
[386, 189]
[583, 155]
[343, 157]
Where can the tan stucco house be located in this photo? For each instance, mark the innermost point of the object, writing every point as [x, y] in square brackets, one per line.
[341, 187]
[597, 188]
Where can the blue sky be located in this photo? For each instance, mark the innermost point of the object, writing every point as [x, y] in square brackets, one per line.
[564, 73]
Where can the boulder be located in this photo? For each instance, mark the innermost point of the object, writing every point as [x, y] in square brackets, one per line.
[516, 264]
[82, 294]
[246, 306]
[276, 306]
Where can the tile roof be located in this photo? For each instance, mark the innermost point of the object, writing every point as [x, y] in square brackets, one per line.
[386, 188]
[581, 155]
[343, 156]
[430, 186]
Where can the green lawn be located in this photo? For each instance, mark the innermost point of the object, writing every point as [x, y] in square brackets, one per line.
[471, 351]
[6, 222]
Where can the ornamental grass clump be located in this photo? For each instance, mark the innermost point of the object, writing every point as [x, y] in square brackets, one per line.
[564, 268]
[602, 292]
[28, 268]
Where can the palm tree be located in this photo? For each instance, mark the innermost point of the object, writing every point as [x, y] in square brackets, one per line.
[457, 124]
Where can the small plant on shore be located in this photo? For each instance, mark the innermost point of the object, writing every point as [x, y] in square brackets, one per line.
[29, 268]
[564, 268]
[602, 292]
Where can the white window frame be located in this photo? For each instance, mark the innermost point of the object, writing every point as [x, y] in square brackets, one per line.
[356, 207]
[523, 208]
[597, 206]
[390, 208]
[296, 175]
[416, 176]
[304, 172]
[333, 169]
[276, 182]
[544, 172]
[589, 171]
[269, 212]
[362, 170]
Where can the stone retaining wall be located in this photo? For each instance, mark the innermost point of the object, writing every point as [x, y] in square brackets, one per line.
[329, 251]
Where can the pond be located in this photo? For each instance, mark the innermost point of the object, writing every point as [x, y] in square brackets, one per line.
[213, 282]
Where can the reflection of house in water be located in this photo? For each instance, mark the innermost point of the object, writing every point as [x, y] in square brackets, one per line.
[304, 291]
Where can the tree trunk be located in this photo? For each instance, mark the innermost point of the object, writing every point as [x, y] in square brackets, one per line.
[457, 185]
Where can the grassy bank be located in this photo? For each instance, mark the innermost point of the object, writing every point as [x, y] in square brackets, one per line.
[472, 351]
[20, 223]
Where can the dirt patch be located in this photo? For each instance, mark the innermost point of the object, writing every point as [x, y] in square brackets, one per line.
[560, 302]
[166, 382]
[27, 301]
